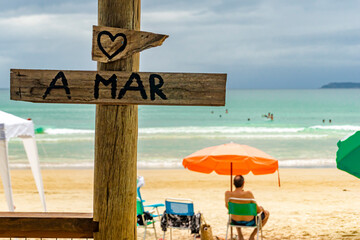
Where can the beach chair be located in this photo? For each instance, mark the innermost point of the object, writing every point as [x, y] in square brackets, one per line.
[144, 218]
[178, 207]
[154, 207]
[244, 207]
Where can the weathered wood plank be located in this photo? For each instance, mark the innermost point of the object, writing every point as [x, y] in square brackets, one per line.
[47, 225]
[116, 130]
[117, 87]
[111, 44]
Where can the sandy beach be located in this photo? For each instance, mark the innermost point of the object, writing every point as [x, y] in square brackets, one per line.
[310, 204]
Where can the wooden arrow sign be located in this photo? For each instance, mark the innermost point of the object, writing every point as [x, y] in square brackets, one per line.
[111, 44]
[117, 87]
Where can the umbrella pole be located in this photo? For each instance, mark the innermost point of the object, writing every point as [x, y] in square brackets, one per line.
[231, 188]
[231, 176]
[278, 177]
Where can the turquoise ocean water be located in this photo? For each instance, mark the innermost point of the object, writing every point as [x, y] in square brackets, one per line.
[297, 136]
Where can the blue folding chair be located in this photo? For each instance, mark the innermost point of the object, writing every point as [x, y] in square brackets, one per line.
[154, 207]
[179, 207]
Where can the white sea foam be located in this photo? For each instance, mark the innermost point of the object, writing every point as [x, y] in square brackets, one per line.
[215, 130]
[288, 132]
[209, 130]
[307, 163]
[69, 165]
[70, 139]
[174, 164]
[156, 163]
[337, 127]
[236, 136]
[290, 163]
[56, 131]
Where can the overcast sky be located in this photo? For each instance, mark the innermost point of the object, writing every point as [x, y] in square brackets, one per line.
[259, 43]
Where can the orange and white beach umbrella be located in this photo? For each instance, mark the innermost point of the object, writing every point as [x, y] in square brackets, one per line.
[231, 158]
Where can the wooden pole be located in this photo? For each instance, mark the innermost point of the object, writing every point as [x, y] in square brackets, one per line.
[231, 188]
[116, 139]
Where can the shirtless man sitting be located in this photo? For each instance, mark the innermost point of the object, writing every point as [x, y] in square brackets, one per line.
[244, 220]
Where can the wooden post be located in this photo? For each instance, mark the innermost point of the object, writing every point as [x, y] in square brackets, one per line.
[116, 139]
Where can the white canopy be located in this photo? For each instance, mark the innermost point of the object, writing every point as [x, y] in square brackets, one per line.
[13, 126]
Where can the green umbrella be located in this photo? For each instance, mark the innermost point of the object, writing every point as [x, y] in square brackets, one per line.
[348, 154]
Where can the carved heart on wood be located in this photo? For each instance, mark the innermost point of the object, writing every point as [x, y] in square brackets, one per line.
[109, 46]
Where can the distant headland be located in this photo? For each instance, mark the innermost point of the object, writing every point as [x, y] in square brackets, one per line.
[342, 85]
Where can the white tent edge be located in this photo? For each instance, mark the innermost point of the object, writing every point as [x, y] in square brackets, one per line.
[23, 129]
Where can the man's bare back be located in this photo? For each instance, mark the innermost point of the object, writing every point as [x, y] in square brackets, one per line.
[239, 192]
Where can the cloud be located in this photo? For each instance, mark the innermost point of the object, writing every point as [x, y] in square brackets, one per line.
[25, 7]
[252, 40]
[262, 35]
[45, 26]
[46, 41]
